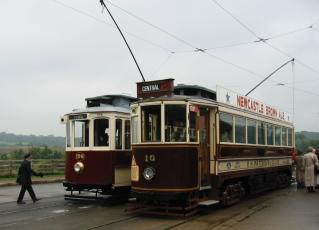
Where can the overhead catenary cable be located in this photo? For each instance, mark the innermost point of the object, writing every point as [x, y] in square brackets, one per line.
[173, 52]
[110, 25]
[264, 40]
[128, 46]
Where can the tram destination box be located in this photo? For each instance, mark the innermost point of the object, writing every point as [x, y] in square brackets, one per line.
[155, 88]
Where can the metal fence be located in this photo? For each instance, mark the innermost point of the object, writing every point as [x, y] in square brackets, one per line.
[51, 166]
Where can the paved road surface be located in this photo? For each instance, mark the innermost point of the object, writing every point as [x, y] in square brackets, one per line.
[281, 209]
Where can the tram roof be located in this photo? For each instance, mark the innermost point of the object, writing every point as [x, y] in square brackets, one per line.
[194, 90]
[119, 100]
[174, 97]
[107, 103]
[107, 108]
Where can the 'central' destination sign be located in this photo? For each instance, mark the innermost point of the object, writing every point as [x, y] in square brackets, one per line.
[155, 88]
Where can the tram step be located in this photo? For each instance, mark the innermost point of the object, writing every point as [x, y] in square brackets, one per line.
[208, 202]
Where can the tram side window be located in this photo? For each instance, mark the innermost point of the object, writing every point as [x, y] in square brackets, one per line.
[68, 134]
[284, 136]
[118, 134]
[175, 123]
[289, 137]
[277, 135]
[192, 127]
[261, 133]
[251, 131]
[127, 134]
[81, 133]
[226, 127]
[270, 134]
[135, 130]
[151, 123]
[240, 130]
[101, 132]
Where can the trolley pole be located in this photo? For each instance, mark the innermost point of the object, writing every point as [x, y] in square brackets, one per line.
[129, 48]
[292, 60]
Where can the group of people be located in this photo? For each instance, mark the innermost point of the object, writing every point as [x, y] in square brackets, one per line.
[307, 167]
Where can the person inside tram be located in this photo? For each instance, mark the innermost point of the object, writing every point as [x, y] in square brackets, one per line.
[178, 133]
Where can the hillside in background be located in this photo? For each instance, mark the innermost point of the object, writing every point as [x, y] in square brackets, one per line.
[305, 139]
[12, 140]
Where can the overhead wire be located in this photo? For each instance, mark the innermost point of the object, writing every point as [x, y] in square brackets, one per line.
[264, 40]
[275, 48]
[110, 25]
[181, 40]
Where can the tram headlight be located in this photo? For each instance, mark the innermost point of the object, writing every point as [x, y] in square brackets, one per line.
[149, 173]
[78, 167]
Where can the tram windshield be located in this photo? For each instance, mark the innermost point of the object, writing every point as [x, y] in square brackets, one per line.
[169, 118]
[101, 132]
[81, 133]
[175, 123]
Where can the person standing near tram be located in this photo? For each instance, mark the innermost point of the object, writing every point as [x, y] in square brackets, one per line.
[300, 170]
[311, 163]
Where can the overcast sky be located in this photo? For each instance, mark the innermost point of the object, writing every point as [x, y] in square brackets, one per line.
[54, 54]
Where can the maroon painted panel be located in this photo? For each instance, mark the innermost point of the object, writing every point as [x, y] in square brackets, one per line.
[98, 166]
[176, 167]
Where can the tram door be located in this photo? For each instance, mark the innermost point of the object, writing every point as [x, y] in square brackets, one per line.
[203, 126]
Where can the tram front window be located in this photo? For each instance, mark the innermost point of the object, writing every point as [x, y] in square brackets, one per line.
[81, 133]
[175, 123]
[68, 134]
[101, 132]
[151, 123]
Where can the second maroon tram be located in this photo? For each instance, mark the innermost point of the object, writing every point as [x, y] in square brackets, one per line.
[98, 147]
[191, 147]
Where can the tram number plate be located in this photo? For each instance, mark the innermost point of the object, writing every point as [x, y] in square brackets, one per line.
[135, 173]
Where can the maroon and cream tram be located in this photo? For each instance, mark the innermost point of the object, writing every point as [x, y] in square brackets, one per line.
[98, 146]
[192, 146]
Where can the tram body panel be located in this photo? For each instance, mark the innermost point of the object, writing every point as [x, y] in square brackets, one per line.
[100, 167]
[175, 167]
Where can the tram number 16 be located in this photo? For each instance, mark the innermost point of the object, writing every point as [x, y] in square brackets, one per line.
[150, 158]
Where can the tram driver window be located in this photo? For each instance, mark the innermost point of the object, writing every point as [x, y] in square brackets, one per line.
[192, 127]
[175, 123]
[127, 135]
[151, 123]
[81, 133]
[68, 134]
[226, 127]
[101, 132]
[118, 133]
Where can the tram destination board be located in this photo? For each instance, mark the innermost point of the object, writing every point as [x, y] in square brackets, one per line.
[155, 88]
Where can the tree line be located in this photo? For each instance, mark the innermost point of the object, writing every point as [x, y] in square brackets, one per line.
[37, 153]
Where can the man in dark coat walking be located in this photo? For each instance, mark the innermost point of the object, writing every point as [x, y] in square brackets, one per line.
[24, 178]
